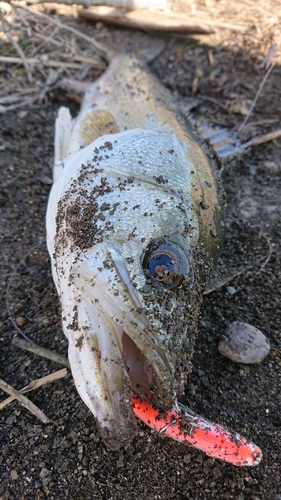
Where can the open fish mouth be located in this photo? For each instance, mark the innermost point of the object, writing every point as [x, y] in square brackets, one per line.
[115, 349]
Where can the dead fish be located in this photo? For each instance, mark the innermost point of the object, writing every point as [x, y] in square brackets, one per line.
[134, 226]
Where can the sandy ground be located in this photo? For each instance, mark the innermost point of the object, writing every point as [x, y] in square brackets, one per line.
[66, 459]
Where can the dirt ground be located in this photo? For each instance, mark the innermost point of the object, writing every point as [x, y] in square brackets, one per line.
[66, 459]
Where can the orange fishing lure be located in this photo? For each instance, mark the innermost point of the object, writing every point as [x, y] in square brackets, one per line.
[182, 425]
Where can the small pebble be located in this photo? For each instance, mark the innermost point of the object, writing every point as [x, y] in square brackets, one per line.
[244, 343]
[20, 320]
[38, 484]
[99, 26]
[14, 474]
[187, 459]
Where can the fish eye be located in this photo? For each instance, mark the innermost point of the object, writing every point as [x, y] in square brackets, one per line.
[166, 265]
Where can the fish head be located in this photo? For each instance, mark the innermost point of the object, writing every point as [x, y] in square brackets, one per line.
[130, 259]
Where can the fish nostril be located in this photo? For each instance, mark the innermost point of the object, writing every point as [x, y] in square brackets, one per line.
[165, 265]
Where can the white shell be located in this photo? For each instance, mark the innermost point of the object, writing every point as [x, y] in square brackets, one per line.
[244, 343]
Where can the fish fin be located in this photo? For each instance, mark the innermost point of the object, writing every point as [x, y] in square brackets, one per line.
[63, 132]
[95, 124]
[150, 49]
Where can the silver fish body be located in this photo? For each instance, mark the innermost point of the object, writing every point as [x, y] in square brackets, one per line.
[134, 226]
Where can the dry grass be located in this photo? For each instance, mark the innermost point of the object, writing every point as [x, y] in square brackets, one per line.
[43, 43]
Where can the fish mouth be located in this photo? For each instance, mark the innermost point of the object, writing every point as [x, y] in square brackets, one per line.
[115, 349]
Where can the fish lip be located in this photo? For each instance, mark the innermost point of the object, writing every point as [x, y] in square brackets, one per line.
[111, 319]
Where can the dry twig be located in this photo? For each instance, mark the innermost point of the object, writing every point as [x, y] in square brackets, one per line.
[151, 8]
[268, 58]
[103, 51]
[48, 63]
[17, 47]
[269, 253]
[25, 102]
[24, 401]
[40, 351]
[256, 97]
[148, 20]
[35, 384]
[124, 4]
[215, 101]
[271, 136]
[11, 98]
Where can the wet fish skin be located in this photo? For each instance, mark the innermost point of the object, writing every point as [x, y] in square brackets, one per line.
[129, 177]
